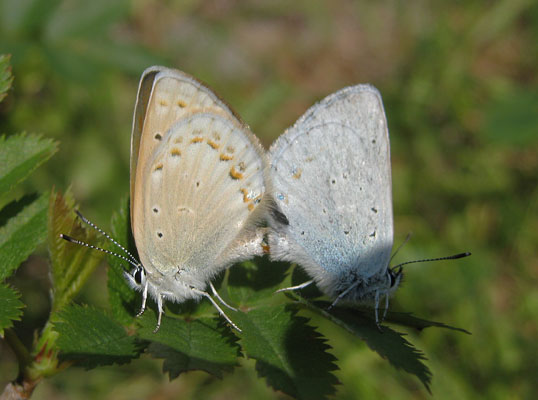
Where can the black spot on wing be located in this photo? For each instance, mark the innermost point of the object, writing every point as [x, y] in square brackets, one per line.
[278, 216]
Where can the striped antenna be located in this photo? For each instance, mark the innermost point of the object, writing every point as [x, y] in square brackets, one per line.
[102, 232]
[81, 243]
[454, 257]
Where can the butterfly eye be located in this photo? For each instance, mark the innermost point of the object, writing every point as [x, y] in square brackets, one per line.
[138, 276]
[394, 274]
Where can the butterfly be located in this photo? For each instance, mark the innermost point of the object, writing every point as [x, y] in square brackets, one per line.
[198, 187]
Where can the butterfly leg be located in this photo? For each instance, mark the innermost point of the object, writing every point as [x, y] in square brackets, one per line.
[205, 294]
[215, 293]
[386, 306]
[377, 311]
[301, 286]
[161, 312]
[144, 298]
[343, 294]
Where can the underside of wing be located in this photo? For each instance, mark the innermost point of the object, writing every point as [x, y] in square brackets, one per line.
[164, 96]
[199, 191]
[332, 180]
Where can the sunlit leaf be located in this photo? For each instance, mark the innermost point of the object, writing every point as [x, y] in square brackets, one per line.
[201, 344]
[290, 354]
[91, 338]
[21, 234]
[19, 156]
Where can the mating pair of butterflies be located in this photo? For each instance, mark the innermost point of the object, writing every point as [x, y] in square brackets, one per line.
[202, 186]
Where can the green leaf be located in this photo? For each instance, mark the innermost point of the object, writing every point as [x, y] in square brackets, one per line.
[15, 207]
[6, 78]
[124, 301]
[21, 234]
[19, 156]
[71, 264]
[92, 338]
[11, 309]
[289, 353]
[388, 343]
[204, 344]
[255, 282]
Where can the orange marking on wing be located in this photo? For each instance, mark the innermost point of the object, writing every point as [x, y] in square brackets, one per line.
[235, 174]
[212, 144]
[197, 139]
[297, 175]
[163, 102]
[250, 207]
[181, 104]
[226, 157]
[245, 195]
[158, 167]
[175, 152]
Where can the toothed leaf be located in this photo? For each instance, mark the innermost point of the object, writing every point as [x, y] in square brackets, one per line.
[20, 155]
[290, 354]
[200, 344]
[92, 338]
[11, 309]
[22, 233]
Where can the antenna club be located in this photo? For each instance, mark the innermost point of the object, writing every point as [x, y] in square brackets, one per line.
[68, 238]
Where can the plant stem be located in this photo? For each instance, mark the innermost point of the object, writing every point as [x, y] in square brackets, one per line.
[20, 350]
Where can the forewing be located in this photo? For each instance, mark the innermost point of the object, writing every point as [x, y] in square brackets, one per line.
[164, 96]
[332, 180]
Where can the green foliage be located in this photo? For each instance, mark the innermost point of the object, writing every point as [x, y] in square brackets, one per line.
[185, 345]
[71, 265]
[21, 235]
[73, 39]
[11, 309]
[124, 301]
[6, 78]
[290, 354]
[458, 82]
[388, 343]
[511, 119]
[23, 224]
[92, 338]
[20, 155]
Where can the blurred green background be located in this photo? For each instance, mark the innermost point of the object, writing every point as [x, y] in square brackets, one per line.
[460, 85]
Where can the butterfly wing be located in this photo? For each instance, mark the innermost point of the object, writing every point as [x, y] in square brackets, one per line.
[181, 92]
[332, 181]
[200, 177]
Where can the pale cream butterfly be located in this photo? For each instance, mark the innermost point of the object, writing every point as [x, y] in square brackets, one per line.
[198, 183]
